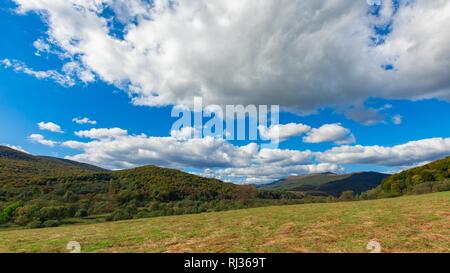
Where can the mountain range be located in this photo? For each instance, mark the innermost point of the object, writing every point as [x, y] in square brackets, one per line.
[326, 184]
[39, 191]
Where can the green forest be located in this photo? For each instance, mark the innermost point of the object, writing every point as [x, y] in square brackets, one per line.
[433, 177]
[46, 192]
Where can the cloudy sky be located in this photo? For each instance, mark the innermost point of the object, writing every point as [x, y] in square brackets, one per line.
[363, 85]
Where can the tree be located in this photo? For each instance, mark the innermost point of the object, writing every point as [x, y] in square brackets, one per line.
[347, 196]
[396, 189]
[7, 213]
[27, 214]
[81, 213]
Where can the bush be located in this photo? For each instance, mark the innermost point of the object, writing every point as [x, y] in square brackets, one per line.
[121, 214]
[347, 196]
[53, 213]
[423, 188]
[7, 213]
[81, 213]
[364, 196]
[51, 223]
[34, 224]
[441, 186]
[26, 214]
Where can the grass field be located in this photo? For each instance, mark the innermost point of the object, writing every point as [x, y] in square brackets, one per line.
[406, 224]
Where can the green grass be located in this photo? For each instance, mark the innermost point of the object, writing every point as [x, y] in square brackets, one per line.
[405, 224]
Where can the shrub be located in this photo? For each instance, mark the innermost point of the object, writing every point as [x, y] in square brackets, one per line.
[51, 223]
[441, 186]
[423, 188]
[26, 214]
[81, 213]
[34, 224]
[53, 213]
[7, 213]
[347, 196]
[121, 214]
[364, 196]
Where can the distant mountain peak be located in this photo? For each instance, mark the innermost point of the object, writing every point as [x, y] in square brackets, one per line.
[329, 173]
[328, 183]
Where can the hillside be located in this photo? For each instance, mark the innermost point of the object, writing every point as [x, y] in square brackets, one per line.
[404, 224]
[38, 191]
[44, 191]
[17, 167]
[433, 177]
[329, 183]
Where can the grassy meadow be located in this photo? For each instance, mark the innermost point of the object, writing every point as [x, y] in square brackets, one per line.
[404, 224]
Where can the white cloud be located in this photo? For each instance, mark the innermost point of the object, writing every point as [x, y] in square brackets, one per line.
[299, 54]
[17, 148]
[41, 46]
[397, 119]
[75, 70]
[50, 126]
[103, 133]
[282, 132]
[407, 154]
[54, 75]
[184, 133]
[129, 151]
[262, 174]
[7, 63]
[85, 120]
[330, 133]
[115, 149]
[37, 138]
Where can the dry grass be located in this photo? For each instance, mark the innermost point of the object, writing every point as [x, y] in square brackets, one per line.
[407, 224]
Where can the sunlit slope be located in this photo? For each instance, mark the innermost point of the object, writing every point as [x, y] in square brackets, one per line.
[404, 224]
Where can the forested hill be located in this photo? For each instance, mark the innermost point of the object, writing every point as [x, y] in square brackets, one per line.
[44, 191]
[38, 191]
[432, 177]
[17, 167]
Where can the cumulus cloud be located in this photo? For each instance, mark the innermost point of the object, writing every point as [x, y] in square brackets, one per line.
[76, 70]
[214, 157]
[407, 154]
[37, 138]
[50, 126]
[282, 132]
[128, 151]
[103, 133]
[330, 133]
[183, 151]
[85, 120]
[302, 55]
[184, 133]
[258, 174]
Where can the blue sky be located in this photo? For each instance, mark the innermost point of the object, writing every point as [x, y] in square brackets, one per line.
[26, 100]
